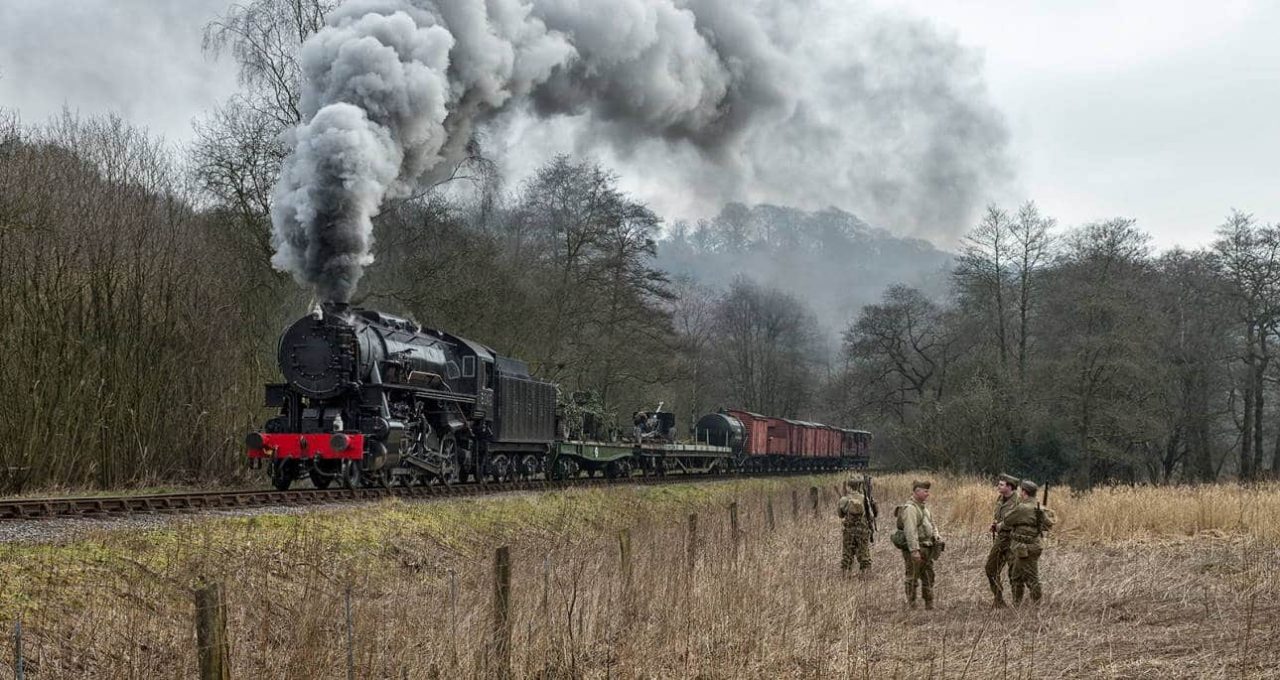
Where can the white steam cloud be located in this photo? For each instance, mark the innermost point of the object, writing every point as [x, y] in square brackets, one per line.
[737, 94]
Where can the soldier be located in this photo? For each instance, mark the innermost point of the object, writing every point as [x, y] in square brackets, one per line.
[856, 533]
[1026, 523]
[920, 544]
[999, 557]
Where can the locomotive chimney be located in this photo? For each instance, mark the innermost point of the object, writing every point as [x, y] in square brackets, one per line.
[339, 309]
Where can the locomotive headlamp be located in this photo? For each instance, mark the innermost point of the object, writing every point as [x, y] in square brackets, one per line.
[339, 442]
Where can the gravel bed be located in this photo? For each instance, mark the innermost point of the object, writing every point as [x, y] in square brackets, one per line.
[63, 530]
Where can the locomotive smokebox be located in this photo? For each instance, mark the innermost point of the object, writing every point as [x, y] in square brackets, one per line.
[317, 356]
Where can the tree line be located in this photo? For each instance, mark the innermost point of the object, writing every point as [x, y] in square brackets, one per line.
[1079, 354]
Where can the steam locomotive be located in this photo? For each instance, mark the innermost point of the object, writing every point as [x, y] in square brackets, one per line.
[371, 398]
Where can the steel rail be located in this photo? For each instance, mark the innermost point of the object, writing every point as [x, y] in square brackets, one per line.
[110, 506]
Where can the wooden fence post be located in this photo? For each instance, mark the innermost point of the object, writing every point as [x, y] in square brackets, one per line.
[453, 617]
[768, 512]
[624, 557]
[502, 612]
[795, 505]
[813, 496]
[733, 527]
[691, 557]
[211, 633]
[19, 665]
[351, 637]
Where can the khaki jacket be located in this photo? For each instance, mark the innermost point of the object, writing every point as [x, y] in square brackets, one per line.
[1003, 507]
[1026, 522]
[917, 525]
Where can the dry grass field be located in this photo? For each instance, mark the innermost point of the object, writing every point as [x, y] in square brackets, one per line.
[1145, 582]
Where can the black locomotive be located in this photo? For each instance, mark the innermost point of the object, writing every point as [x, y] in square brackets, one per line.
[370, 397]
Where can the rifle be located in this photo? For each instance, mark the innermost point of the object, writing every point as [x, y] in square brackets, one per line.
[868, 507]
[1040, 510]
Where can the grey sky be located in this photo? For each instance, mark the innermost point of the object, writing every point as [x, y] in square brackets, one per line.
[1166, 111]
[1163, 111]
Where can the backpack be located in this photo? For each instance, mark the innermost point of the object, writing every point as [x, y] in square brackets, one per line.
[899, 537]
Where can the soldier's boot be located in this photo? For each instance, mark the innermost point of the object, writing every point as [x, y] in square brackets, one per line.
[1017, 593]
[911, 594]
[927, 594]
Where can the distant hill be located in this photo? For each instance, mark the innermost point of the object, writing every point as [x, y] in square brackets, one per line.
[831, 259]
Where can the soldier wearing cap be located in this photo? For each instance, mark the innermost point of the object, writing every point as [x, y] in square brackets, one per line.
[1026, 523]
[999, 557]
[856, 532]
[921, 543]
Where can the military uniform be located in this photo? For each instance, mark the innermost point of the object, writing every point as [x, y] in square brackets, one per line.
[1026, 523]
[856, 533]
[1001, 556]
[917, 526]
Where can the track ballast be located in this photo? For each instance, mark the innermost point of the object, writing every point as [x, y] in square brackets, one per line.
[113, 506]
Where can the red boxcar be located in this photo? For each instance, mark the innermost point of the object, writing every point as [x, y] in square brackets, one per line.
[757, 432]
[779, 437]
[795, 438]
[831, 440]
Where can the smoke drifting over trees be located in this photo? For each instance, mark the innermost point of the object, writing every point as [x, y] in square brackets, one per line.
[830, 261]
[887, 116]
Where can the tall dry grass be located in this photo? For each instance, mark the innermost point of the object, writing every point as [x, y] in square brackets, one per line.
[420, 583]
[1117, 513]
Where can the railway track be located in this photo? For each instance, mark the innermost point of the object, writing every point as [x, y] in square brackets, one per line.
[114, 506]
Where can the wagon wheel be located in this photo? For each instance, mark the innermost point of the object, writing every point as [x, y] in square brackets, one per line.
[529, 466]
[500, 467]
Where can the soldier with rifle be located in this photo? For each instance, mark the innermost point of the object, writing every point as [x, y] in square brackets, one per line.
[857, 511]
[1026, 523]
[1001, 556]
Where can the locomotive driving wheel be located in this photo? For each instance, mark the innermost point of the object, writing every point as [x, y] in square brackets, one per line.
[449, 469]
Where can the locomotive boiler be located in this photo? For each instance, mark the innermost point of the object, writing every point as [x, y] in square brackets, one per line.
[370, 397]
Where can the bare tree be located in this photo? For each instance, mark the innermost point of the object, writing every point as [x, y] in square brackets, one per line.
[1101, 338]
[906, 345]
[1247, 258]
[1032, 252]
[983, 272]
[766, 343]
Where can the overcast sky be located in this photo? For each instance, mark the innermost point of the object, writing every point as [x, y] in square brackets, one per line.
[1168, 112]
